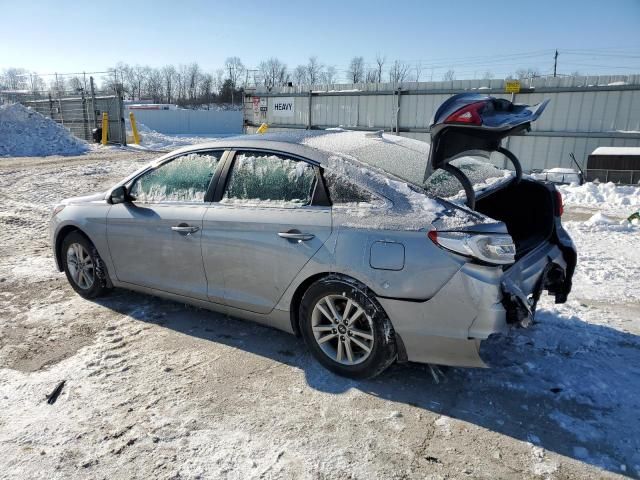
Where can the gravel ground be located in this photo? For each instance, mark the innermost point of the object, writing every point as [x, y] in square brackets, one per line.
[156, 389]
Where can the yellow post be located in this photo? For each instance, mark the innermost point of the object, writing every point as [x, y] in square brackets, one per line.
[263, 128]
[105, 127]
[134, 128]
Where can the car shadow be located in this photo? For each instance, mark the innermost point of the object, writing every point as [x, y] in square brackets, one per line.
[565, 385]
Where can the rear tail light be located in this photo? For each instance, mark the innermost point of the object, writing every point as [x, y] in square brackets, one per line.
[497, 249]
[469, 114]
[559, 204]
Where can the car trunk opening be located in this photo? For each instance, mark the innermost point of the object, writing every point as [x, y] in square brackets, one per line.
[526, 208]
[466, 135]
[466, 132]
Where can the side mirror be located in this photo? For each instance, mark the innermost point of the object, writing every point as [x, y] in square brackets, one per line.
[119, 195]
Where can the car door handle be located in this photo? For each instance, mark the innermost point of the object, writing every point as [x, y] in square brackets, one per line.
[184, 228]
[294, 235]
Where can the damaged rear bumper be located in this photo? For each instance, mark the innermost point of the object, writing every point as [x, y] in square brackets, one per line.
[476, 303]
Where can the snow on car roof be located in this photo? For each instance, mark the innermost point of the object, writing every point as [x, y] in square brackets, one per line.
[402, 157]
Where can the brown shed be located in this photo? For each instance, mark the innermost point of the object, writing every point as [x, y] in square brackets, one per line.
[614, 164]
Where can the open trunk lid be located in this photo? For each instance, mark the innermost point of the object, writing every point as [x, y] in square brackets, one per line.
[473, 125]
[470, 122]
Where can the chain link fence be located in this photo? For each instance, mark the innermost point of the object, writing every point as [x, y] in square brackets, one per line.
[79, 111]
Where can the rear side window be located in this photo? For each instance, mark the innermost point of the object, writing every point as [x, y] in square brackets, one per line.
[268, 179]
[342, 191]
[481, 172]
[183, 179]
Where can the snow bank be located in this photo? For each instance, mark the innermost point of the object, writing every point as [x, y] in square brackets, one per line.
[26, 133]
[608, 259]
[601, 195]
[153, 140]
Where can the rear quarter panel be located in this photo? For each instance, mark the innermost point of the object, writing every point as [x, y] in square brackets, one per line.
[348, 251]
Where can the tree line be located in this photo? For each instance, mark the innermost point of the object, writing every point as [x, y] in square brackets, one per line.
[190, 85]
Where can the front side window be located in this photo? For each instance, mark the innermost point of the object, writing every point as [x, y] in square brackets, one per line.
[269, 179]
[183, 179]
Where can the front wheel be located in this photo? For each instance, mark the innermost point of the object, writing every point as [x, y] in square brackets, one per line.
[83, 266]
[346, 329]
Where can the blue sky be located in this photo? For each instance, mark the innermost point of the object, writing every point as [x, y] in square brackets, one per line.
[466, 36]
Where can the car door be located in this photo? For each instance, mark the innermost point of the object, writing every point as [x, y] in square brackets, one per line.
[155, 237]
[263, 230]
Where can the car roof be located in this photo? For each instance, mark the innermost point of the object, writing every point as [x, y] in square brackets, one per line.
[402, 157]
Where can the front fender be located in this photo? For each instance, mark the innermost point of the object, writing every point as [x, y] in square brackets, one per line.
[91, 220]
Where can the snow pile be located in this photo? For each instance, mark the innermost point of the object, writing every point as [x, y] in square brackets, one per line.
[601, 219]
[608, 258]
[601, 195]
[153, 140]
[26, 133]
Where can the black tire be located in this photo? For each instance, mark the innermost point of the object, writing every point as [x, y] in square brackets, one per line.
[98, 286]
[383, 351]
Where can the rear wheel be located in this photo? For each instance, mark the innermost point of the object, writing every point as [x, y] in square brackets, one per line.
[83, 266]
[346, 329]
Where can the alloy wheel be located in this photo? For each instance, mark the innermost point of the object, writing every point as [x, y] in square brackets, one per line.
[342, 329]
[80, 266]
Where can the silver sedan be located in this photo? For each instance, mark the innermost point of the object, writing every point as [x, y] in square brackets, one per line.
[372, 247]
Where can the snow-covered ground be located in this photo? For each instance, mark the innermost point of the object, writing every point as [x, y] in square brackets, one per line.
[155, 389]
[153, 140]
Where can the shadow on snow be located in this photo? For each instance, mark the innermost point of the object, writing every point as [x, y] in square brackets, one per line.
[566, 385]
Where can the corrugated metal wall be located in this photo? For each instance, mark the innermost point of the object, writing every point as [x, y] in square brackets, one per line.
[584, 112]
[190, 121]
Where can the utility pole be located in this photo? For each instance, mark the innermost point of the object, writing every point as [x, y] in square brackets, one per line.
[555, 63]
[94, 115]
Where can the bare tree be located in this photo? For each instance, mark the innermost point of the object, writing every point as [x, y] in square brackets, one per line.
[134, 79]
[14, 79]
[371, 76]
[300, 75]
[218, 80]
[529, 72]
[57, 85]
[488, 75]
[193, 77]
[273, 72]
[314, 71]
[449, 75]
[36, 84]
[235, 71]
[356, 70]
[168, 78]
[329, 75]
[154, 84]
[182, 75]
[398, 72]
[206, 89]
[380, 61]
[75, 84]
[418, 71]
